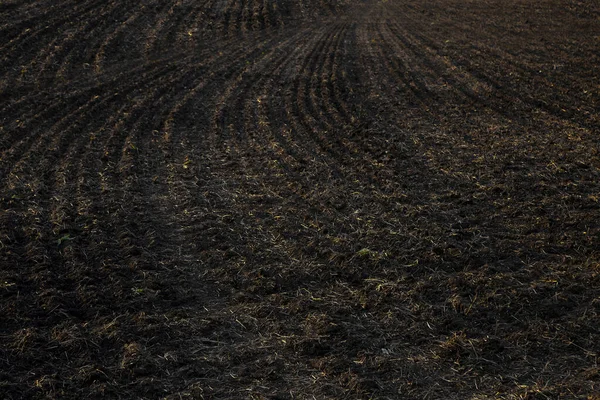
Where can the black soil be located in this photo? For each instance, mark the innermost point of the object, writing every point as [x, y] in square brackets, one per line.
[317, 199]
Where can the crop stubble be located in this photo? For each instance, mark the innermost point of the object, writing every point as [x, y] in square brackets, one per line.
[277, 199]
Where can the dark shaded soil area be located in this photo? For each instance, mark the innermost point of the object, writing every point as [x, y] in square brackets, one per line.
[231, 199]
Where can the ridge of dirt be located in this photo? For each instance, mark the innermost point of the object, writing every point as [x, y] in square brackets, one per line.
[225, 199]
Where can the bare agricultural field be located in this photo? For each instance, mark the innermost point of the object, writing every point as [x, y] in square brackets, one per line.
[312, 199]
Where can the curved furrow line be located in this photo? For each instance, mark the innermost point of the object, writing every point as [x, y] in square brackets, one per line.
[219, 132]
[247, 157]
[260, 140]
[469, 88]
[17, 137]
[173, 94]
[336, 160]
[229, 60]
[111, 212]
[174, 32]
[341, 84]
[286, 161]
[316, 99]
[54, 177]
[306, 90]
[346, 94]
[64, 134]
[381, 74]
[43, 177]
[364, 159]
[65, 54]
[39, 107]
[138, 128]
[62, 117]
[258, 16]
[171, 140]
[117, 231]
[195, 22]
[415, 87]
[335, 122]
[233, 127]
[63, 182]
[213, 76]
[294, 100]
[327, 75]
[196, 171]
[55, 57]
[245, 16]
[304, 125]
[274, 111]
[35, 94]
[307, 98]
[114, 36]
[259, 97]
[230, 12]
[286, 157]
[15, 28]
[154, 34]
[291, 158]
[227, 122]
[189, 132]
[523, 69]
[26, 59]
[273, 14]
[181, 26]
[232, 122]
[131, 167]
[119, 146]
[34, 143]
[118, 153]
[567, 102]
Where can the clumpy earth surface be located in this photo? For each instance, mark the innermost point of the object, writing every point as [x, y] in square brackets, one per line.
[316, 199]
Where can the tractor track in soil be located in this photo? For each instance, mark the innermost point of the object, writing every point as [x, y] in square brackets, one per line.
[299, 199]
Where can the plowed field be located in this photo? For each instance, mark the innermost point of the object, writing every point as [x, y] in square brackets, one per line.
[312, 199]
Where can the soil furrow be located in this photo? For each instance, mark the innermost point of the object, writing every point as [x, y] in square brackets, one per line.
[333, 199]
